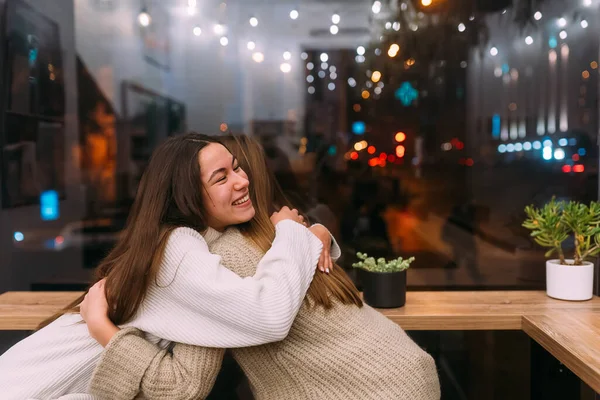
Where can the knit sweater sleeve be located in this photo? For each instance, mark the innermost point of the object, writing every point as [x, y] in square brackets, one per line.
[198, 301]
[131, 365]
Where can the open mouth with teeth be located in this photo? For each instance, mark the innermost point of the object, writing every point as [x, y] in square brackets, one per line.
[241, 201]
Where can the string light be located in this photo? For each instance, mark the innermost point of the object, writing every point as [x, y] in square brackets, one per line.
[334, 29]
[324, 57]
[529, 40]
[562, 22]
[335, 18]
[258, 57]
[285, 67]
[360, 50]
[461, 27]
[224, 41]
[144, 18]
[494, 51]
[219, 29]
[376, 7]
[287, 55]
[253, 21]
[426, 3]
[197, 31]
[562, 35]
[294, 14]
[584, 23]
[537, 15]
[251, 45]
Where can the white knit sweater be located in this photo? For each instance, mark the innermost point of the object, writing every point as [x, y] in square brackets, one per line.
[193, 291]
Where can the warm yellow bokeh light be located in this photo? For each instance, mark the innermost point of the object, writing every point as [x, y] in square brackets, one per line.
[426, 3]
[400, 137]
[358, 146]
[376, 76]
[365, 94]
[585, 74]
[400, 151]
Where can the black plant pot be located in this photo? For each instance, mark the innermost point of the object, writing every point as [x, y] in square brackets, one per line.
[383, 289]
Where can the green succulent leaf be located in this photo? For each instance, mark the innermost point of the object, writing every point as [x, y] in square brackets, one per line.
[381, 264]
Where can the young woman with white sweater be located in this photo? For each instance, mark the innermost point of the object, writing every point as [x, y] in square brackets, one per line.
[338, 348]
[162, 279]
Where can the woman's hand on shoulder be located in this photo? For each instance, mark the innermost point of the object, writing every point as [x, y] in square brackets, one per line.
[325, 263]
[94, 311]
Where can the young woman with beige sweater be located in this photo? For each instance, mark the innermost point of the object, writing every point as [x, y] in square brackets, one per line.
[338, 348]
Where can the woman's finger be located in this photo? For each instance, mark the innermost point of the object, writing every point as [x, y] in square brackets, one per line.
[327, 263]
[321, 263]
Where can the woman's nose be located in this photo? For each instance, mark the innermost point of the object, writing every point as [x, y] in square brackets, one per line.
[241, 183]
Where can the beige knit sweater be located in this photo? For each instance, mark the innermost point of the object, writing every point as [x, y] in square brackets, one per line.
[343, 353]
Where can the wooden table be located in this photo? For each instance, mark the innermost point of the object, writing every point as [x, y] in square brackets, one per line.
[23, 311]
[570, 331]
[573, 338]
[481, 310]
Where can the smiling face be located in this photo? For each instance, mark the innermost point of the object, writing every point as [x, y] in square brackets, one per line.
[225, 194]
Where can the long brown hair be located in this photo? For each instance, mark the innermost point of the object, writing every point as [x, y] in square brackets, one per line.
[266, 194]
[169, 196]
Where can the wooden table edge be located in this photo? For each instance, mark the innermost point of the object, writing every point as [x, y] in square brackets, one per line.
[562, 354]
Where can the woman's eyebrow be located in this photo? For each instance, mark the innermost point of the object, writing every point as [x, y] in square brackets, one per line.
[217, 171]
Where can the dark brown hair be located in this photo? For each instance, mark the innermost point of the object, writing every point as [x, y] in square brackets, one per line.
[169, 196]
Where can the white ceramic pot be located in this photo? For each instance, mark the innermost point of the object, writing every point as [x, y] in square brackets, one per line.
[569, 282]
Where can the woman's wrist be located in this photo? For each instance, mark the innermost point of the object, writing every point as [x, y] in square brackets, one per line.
[103, 330]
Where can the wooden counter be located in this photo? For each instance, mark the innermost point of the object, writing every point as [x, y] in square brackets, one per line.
[573, 338]
[23, 311]
[570, 331]
[482, 310]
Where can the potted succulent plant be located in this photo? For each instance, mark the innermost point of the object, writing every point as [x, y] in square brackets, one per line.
[551, 226]
[383, 282]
